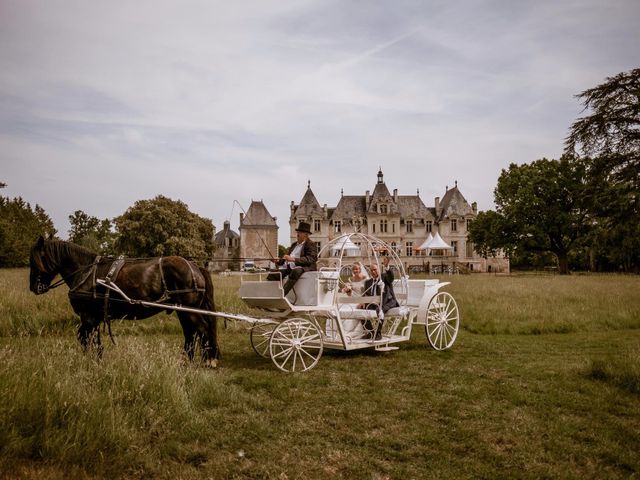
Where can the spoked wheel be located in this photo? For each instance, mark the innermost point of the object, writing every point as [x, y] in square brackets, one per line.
[296, 345]
[443, 321]
[260, 335]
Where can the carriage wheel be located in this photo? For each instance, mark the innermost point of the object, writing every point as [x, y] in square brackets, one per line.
[260, 335]
[443, 320]
[296, 345]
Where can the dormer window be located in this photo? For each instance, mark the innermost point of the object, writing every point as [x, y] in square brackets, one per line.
[383, 208]
[454, 225]
[316, 225]
[337, 226]
[409, 226]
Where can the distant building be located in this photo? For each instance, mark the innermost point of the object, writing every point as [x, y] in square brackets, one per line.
[226, 249]
[402, 221]
[258, 235]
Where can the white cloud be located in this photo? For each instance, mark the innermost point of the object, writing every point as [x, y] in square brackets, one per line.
[212, 102]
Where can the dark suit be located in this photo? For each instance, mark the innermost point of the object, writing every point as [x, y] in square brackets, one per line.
[305, 263]
[372, 289]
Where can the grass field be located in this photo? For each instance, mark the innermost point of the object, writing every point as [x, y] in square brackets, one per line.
[543, 381]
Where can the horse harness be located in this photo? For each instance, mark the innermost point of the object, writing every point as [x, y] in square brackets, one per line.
[111, 277]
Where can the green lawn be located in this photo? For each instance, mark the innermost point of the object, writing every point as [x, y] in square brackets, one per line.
[543, 381]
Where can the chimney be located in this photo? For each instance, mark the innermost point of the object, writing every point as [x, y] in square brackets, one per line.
[293, 207]
[241, 218]
[437, 205]
[395, 195]
[324, 210]
[474, 207]
[366, 199]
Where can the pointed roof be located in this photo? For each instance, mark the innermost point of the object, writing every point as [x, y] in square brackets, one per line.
[425, 244]
[349, 206]
[454, 203]
[309, 204]
[225, 233]
[381, 194]
[258, 215]
[438, 243]
[412, 206]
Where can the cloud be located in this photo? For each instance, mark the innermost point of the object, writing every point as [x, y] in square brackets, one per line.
[103, 104]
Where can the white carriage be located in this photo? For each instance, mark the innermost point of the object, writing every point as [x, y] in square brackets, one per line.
[318, 314]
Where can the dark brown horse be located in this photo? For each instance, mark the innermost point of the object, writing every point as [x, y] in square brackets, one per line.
[171, 280]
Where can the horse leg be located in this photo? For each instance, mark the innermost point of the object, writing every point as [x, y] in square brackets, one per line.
[89, 334]
[209, 341]
[189, 332]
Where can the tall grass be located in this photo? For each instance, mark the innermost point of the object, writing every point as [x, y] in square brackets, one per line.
[538, 304]
[500, 403]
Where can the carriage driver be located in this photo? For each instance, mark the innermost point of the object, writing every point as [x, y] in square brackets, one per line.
[301, 258]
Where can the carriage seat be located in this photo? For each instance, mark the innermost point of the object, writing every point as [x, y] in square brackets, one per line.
[316, 288]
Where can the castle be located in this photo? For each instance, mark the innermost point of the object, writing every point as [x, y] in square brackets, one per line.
[402, 221]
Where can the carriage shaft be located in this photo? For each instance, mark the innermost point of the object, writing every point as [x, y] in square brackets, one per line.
[180, 308]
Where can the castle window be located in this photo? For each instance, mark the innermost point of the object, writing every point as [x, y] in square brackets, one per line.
[454, 225]
[394, 247]
[428, 224]
[409, 248]
[373, 227]
[337, 226]
[393, 227]
[318, 246]
[469, 249]
[409, 226]
[316, 225]
[469, 223]
[454, 244]
[383, 208]
[383, 226]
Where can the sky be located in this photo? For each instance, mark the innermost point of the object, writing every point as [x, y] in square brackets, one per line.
[211, 102]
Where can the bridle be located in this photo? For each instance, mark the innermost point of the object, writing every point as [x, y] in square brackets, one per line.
[42, 287]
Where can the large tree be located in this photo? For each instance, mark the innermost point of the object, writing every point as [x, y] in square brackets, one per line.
[92, 233]
[20, 225]
[163, 226]
[611, 132]
[609, 139]
[543, 207]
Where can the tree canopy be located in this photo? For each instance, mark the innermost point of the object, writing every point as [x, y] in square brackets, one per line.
[92, 233]
[541, 207]
[20, 225]
[163, 226]
[610, 134]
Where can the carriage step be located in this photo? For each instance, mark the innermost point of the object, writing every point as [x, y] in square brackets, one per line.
[386, 348]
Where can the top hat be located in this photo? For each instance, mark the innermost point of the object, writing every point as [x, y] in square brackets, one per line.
[304, 227]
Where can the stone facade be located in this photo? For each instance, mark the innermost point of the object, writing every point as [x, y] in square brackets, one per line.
[402, 221]
[258, 235]
[226, 249]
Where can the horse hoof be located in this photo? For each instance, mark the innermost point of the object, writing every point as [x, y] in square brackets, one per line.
[211, 363]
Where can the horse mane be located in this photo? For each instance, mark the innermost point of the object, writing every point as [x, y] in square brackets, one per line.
[56, 250]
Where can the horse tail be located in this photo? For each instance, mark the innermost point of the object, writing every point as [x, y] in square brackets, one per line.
[208, 302]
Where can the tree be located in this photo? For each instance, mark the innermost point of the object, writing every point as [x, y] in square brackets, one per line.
[163, 226]
[92, 233]
[542, 207]
[488, 233]
[611, 133]
[609, 138]
[20, 225]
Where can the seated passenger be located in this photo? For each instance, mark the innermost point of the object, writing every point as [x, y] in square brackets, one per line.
[301, 258]
[375, 286]
[356, 280]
